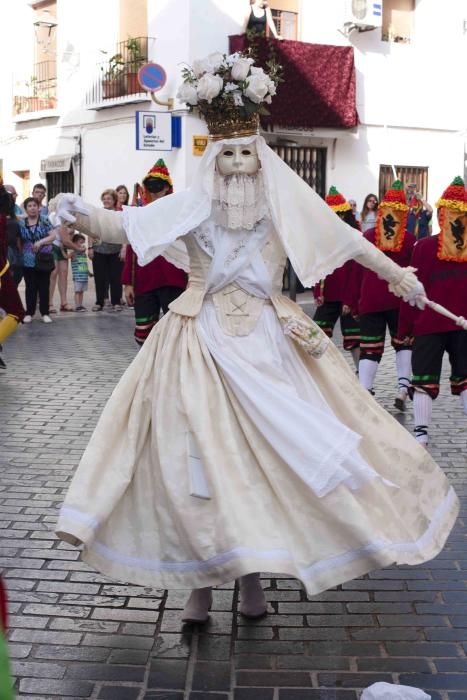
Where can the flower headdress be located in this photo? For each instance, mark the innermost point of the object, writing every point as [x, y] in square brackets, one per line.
[452, 241]
[391, 220]
[230, 92]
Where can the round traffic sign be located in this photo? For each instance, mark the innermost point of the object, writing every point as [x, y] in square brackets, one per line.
[152, 77]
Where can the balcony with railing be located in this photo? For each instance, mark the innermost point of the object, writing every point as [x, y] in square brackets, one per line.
[38, 92]
[116, 80]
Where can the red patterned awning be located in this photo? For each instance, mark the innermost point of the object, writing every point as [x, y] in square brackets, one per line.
[319, 83]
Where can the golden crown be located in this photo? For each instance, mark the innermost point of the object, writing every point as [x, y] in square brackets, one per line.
[223, 126]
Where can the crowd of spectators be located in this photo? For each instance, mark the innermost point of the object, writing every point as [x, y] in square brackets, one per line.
[41, 260]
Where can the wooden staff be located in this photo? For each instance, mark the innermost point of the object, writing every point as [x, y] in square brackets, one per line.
[458, 320]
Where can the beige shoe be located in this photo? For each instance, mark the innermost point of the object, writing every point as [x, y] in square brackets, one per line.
[198, 606]
[253, 602]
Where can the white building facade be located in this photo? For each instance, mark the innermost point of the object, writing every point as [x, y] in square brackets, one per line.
[61, 123]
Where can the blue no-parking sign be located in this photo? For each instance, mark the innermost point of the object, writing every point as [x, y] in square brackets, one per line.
[152, 77]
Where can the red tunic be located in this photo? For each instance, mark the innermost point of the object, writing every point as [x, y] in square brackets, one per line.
[445, 282]
[367, 293]
[9, 298]
[157, 273]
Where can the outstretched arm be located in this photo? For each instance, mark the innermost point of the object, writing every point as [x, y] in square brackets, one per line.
[104, 225]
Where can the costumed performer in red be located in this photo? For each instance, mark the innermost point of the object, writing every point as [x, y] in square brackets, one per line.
[441, 263]
[374, 301]
[330, 294]
[10, 300]
[151, 288]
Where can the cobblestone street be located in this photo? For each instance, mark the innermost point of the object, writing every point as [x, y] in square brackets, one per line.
[76, 634]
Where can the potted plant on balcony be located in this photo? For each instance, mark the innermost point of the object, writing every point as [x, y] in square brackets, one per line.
[112, 79]
[31, 101]
[136, 58]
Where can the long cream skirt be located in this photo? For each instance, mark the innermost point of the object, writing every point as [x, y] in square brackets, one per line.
[130, 501]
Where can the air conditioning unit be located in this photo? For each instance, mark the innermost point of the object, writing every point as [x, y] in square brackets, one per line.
[363, 14]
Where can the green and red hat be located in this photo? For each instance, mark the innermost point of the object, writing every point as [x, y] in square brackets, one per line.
[454, 196]
[336, 201]
[395, 197]
[159, 171]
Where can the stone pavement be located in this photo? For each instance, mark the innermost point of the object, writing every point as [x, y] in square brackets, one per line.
[76, 634]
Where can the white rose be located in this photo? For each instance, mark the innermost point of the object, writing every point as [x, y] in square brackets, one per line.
[256, 70]
[187, 93]
[241, 68]
[256, 89]
[200, 66]
[214, 61]
[209, 87]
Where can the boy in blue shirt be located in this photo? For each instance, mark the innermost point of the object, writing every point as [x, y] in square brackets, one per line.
[79, 270]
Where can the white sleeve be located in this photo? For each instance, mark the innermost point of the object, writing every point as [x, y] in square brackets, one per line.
[103, 225]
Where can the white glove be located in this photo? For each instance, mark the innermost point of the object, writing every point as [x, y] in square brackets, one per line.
[386, 691]
[66, 205]
[402, 280]
[409, 288]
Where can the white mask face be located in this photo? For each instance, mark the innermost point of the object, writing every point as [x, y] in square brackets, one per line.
[239, 158]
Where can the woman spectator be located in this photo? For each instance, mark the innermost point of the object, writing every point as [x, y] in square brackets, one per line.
[259, 18]
[123, 197]
[369, 211]
[357, 215]
[60, 274]
[123, 200]
[106, 263]
[37, 236]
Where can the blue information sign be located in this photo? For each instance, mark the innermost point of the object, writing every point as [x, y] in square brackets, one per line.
[152, 77]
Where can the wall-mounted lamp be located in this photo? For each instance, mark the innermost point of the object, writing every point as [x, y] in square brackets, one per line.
[44, 21]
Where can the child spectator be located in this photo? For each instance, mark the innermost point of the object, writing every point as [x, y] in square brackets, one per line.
[79, 270]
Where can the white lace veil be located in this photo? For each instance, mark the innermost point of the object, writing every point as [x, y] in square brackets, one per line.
[315, 239]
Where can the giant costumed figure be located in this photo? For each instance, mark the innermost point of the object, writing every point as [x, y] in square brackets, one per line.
[238, 439]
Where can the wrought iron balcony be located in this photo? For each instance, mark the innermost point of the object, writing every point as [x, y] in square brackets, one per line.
[116, 80]
[39, 92]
